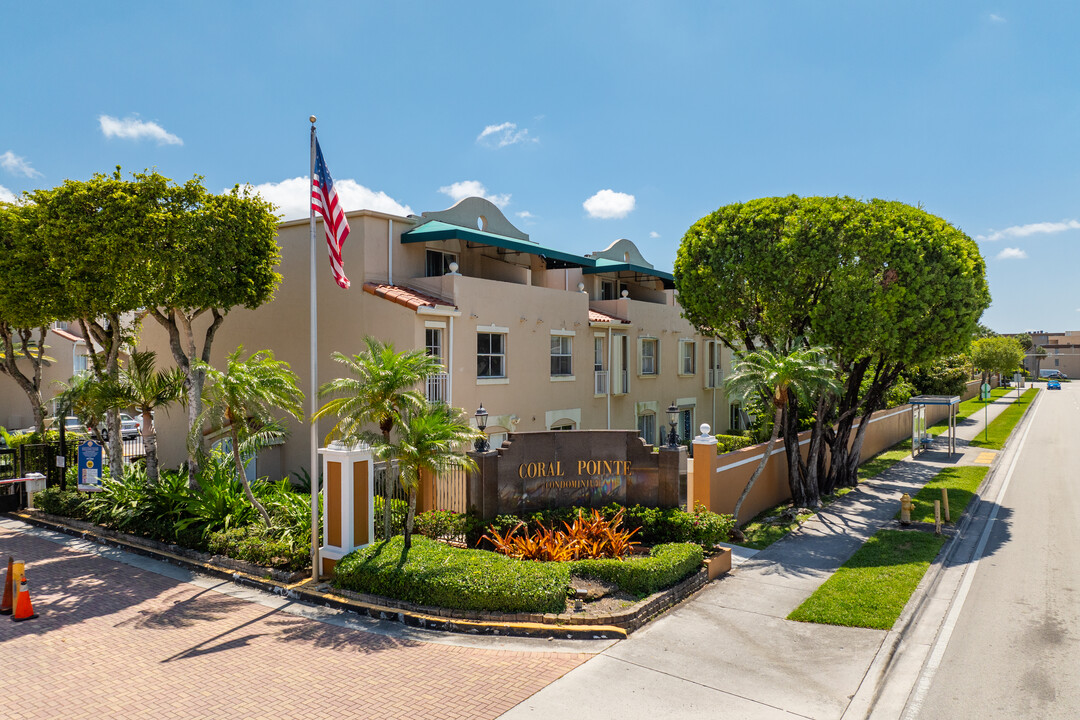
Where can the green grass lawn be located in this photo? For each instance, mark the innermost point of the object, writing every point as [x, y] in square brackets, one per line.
[968, 408]
[884, 460]
[873, 586]
[1002, 426]
[961, 482]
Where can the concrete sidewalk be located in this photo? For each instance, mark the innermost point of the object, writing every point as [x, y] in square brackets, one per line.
[730, 650]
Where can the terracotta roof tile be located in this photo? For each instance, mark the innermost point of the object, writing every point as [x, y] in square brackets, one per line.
[595, 316]
[66, 335]
[411, 299]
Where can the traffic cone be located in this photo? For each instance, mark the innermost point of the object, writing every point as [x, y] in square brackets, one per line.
[8, 602]
[23, 609]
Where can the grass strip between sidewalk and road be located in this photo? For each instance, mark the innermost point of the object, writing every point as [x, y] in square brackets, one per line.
[1002, 426]
[961, 482]
[968, 408]
[871, 589]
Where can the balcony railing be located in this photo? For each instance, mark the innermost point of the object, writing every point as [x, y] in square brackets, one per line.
[438, 388]
[601, 384]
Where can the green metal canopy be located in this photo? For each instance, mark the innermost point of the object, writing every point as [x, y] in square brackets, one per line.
[603, 265]
[435, 230]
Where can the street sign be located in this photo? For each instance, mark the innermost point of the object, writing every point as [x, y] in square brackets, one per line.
[90, 466]
[985, 395]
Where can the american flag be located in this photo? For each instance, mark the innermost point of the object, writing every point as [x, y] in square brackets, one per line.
[324, 200]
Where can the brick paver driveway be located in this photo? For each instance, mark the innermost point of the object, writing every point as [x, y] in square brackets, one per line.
[115, 641]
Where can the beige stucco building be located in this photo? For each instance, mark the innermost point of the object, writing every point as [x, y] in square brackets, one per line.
[1062, 352]
[67, 349]
[545, 339]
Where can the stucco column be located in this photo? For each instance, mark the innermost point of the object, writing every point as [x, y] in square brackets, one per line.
[482, 486]
[348, 502]
[699, 482]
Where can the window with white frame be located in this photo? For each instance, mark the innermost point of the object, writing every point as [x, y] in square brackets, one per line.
[646, 425]
[82, 363]
[563, 425]
[562, 347]
[607, 289]
[490, 355]
[687, 357]
[649, 351]
[433, 342]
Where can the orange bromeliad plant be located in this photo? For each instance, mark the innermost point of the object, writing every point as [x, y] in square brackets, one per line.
[593, 537]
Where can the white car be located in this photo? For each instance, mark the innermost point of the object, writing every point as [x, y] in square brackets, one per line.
[129, 428]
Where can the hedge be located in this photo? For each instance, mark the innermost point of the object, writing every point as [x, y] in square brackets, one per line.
[436, 574]
[641, 576]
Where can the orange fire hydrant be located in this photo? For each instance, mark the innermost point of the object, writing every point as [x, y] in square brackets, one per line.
[906, 506]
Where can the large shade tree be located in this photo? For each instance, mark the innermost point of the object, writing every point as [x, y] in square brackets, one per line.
[124, 248]
[28, 303]
[1001, 354]
[886, 285]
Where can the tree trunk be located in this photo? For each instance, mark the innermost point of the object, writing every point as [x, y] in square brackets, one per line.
[738, 503]
[149, 438]
[389, 479]
[410, 517]
[30, 386]
[242, 476]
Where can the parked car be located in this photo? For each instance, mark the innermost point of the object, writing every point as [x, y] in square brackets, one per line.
[72, 424]
[129, 428]
[1053, 385]
[1056, 374]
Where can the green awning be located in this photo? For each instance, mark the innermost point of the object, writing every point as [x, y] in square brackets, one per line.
[603, 265]
[435, 230]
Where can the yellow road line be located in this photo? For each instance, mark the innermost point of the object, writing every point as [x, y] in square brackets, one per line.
[985, 458]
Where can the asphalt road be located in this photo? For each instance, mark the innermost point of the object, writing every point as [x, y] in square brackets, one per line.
[1012, 649]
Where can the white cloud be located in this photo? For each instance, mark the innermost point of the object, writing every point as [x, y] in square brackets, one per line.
[504, 134]
[1042, 228]
[6, 195]
[473, 188]
[293, 197]
[608, 205]
[525, 215]
[654, 234]
[132, 128]
[994, 17]
[1012, 254]
[17, 165]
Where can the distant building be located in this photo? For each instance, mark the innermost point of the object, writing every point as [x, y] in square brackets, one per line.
[67, 348]
[1062, 352]
[544, 338]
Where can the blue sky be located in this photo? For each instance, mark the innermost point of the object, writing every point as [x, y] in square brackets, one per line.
[586, 122]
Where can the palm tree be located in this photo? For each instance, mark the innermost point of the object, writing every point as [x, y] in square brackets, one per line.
[772, 377]
[244, 399]
[83, 397]
[429, 440]
[145, 389]
[381, 390]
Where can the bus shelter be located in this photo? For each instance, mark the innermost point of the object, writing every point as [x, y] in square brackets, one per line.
[920, 439]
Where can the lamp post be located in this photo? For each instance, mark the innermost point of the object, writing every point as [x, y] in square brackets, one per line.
[481, 444]
[673, 417]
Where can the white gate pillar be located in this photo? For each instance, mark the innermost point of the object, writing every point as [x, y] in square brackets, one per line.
[348, 502]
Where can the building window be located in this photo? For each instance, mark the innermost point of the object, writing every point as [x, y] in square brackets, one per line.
[438, 263]
[82, 363]
[687, 357]
[650, 360]
[607, 289]
[712, 364]
[561, 355]
[646, 425]
[490, 355]
[433, 342]
[496, 440]
[563, 426]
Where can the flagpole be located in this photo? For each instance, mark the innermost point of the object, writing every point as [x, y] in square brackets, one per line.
[314, 387]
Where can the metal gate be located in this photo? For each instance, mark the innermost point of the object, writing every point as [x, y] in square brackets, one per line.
[450, 490]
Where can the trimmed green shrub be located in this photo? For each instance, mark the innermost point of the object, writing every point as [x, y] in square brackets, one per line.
[731, 443]
[399, 509]
[437, 524]
[259, 545]
[66, 503]
[436, 574]
[641, 576]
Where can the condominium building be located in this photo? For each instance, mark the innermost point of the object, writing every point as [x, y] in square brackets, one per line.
[543, 338]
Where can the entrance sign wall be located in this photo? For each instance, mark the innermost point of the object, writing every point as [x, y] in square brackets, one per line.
[589, 468]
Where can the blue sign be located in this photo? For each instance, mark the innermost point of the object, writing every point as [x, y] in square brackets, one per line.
[90, 466]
